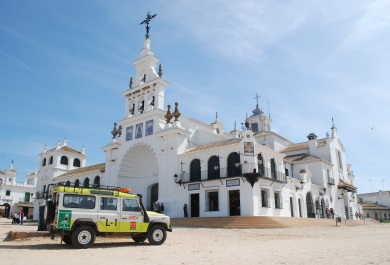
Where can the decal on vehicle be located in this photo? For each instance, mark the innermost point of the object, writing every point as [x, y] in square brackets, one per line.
[133, 225]
[64, 218]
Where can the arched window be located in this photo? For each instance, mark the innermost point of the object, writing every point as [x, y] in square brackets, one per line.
[195, 173]
[310, 206]
[76, 162]
[64, 160]
[234, 165]
[77, 183]
[44, 162]
[273, 169]
[96, 181]
[51, 160]
[86, 183]
[260, 164]
[68, 183]
[213, 168]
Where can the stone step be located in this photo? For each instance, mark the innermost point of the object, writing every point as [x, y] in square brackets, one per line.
[260, 222]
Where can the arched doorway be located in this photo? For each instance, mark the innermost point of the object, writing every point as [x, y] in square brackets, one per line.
[7, 209]
[311, 212]
[138, 170]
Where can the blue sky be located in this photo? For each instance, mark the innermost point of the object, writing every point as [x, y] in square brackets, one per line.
[64, 65]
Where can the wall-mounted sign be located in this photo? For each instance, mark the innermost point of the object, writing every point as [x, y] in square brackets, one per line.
[232, 182]
[195, 186]
[249, 149]
[129, 133]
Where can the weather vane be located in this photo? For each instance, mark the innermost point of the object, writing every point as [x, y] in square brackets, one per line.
[147, 21]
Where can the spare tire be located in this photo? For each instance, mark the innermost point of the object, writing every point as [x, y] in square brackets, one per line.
[49, 212]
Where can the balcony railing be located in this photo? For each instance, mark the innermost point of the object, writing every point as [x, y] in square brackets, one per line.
[222, 173]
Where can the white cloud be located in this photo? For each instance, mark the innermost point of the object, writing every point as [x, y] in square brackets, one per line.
[374, 23]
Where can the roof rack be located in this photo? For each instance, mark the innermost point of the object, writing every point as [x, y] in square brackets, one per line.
[93, 186]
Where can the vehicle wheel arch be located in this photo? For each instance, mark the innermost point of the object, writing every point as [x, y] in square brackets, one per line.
[84, 221]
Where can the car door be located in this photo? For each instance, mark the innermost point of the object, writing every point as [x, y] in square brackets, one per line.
[132, 218]
[108, 217]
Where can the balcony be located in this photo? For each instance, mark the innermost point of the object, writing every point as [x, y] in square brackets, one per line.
[222, 173]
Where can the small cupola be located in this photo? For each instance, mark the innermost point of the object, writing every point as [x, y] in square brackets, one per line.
[312, 136]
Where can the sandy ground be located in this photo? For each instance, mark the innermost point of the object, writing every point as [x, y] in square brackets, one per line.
[312, 245]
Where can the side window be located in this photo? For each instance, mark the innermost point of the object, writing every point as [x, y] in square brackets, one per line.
[79, 201]
[107, 203]
[130, 205]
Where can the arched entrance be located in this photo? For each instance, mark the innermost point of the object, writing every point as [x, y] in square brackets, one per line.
[311, 211]
[138, 170]
[7, 209]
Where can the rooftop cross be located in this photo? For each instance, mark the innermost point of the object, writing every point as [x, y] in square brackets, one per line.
[149, 17]
[257, 99]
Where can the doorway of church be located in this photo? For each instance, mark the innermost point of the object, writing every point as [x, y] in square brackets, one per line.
[153, 197]
[195, 205]
[234, 202]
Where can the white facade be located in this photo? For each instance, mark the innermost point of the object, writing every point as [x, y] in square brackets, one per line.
[14, 196]
[177, 160]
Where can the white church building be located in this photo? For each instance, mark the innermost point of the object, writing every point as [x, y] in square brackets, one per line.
[14, 196]
[176, 160]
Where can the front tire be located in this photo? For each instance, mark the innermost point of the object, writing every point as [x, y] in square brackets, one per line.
[157, 235]
[83, 236]
[139, 238]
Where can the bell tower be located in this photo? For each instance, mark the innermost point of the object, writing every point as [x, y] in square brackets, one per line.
[259, 122]
[146, 91]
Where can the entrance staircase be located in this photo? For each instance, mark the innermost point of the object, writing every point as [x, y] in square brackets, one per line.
[261, 222]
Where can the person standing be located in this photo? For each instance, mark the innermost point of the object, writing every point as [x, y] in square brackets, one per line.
[185, 210]
[16, 217]
[21, 217]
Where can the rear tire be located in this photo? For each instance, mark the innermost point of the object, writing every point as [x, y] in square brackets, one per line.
[49, 212]
[83, 236]
[67, 239]
[157, 235]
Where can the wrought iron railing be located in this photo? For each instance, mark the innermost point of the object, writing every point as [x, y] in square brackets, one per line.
[221, 173]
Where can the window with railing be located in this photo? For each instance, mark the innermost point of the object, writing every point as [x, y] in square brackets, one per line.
[86, 183]
[278, 200]
[265, 198]
[273, 169]
[233, 162]
[96, 181]
[213, 168]
[260, 164]
[195, 170]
